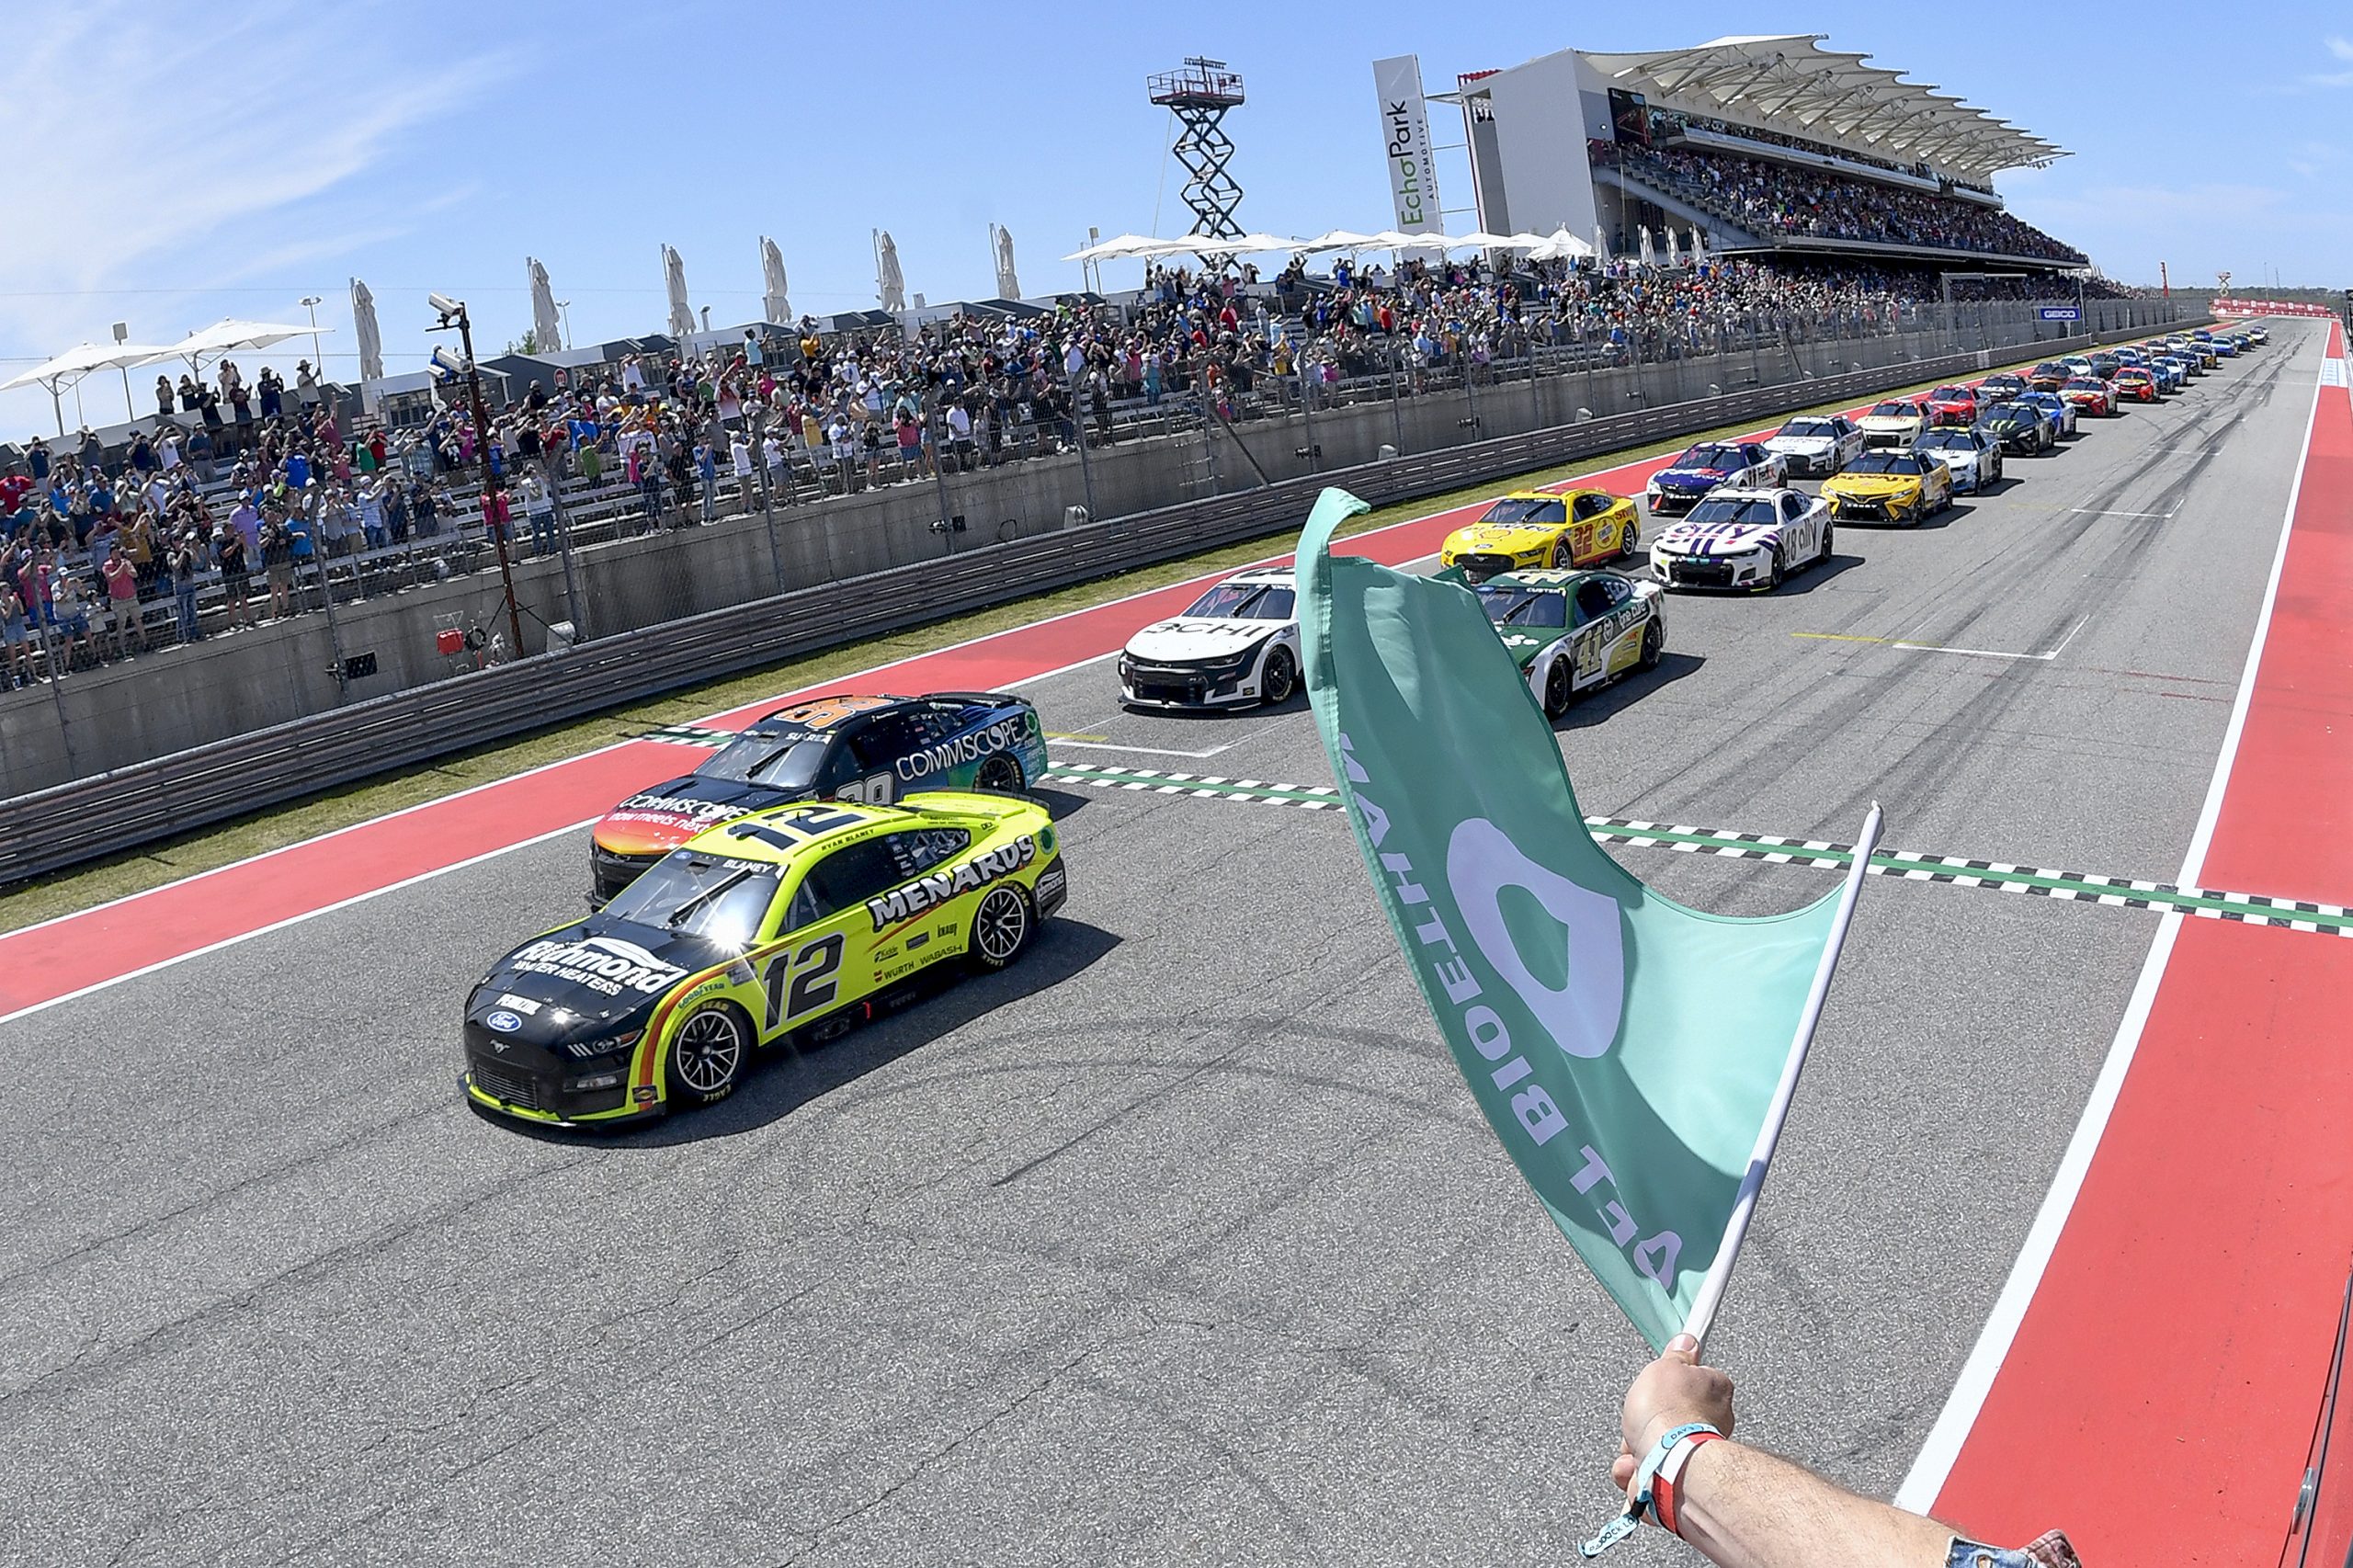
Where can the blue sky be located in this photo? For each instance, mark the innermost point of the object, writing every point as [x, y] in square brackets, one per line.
[173, 166]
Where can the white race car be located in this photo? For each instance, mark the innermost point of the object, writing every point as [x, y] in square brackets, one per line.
[1238, 644]
[1743, 539]
[1817, 443]
[1974, 457]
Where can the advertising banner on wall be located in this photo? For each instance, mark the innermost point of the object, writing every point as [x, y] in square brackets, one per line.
[1406, 135]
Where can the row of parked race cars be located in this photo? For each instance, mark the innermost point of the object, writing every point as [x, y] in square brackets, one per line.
[838, 854]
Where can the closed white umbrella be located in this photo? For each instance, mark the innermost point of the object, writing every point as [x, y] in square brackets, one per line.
[1674, 253]
[890, 283]
[673, 279]
[1650, 257]
[371, 335]
[1699, 247]
[1600, 245]
[547, 327]
[774, 305]
[1008, 282]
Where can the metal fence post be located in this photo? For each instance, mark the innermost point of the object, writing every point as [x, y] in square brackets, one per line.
[767, 508]
[552, 480]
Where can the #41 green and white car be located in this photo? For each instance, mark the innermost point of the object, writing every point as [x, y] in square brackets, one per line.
[1572, 631]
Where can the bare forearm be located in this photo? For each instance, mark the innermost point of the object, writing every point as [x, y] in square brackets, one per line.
[1744, 1508]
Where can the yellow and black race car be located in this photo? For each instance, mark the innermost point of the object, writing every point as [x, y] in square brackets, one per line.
[788, 923]
[1894, 487]
[1541, 528]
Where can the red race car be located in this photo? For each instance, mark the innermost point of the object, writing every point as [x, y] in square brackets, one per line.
[2091, 394]
[2137, 382]
[1952, 405]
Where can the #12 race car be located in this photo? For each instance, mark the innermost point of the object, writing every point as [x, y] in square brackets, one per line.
[847, 747]
[1707, 466]
[1236, 644]
[1895, 487]
[1572, 631]
[1815, 444]
[785, 925]
[1538, 527]
[1743, 539]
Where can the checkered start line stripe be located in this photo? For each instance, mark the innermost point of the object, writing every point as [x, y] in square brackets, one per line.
[2084, 887]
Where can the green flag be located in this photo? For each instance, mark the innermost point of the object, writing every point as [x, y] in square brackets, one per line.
[1635, 1057]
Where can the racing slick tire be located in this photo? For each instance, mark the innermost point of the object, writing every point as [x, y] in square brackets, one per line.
[1630, 542]
[1829, 547]
[1000, 775]
[708, 1054]
[1001, 927]
[1562, 556]
[1654, 644]
[1557, 691]
[1281, 679]
[1780, 571]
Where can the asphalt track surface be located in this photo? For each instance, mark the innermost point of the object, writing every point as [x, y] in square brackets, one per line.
[1181, 1240]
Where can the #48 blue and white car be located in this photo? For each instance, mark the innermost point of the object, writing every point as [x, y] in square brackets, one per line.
[1711, 465]
[1743, 539]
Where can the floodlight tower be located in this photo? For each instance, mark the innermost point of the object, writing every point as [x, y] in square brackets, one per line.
[1198, 92]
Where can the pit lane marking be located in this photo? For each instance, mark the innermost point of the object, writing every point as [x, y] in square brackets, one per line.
[2085, 887]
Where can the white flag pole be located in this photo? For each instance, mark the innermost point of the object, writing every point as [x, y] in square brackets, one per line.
[1711, 1289]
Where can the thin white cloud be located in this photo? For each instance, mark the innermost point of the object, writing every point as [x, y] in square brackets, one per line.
[2342, 48]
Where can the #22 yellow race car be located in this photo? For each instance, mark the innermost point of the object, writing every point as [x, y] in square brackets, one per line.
[1537, 529]
[786, 924]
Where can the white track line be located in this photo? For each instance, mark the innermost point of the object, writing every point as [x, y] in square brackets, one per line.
[1935, 1462]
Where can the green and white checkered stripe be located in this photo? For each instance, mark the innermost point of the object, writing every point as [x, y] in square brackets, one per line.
[2084, 887]
[689, 735]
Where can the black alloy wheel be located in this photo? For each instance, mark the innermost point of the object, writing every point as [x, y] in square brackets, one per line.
[1281, 677]
[1001, 927]
[708, 1054]
[1653, 643]
[1000, 775]
[1556, 690]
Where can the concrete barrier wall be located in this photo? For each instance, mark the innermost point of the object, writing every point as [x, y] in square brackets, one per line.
[178, 698]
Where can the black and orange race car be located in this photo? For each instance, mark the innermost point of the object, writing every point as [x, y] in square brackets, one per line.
[845, 747]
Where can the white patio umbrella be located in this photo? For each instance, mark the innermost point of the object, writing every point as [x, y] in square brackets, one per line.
[1673, 251]
[1699, 247]
[1600, 245]
[1338, 239]
[774, 304]
[228, 335]
[1485, 241]
[1560, 246]
[371, 335]
[1123, 248]
[69, 367]
[890, 283]
[1650, 257]
[673, 279]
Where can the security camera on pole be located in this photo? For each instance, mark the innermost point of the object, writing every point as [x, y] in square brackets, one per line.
[453, 312]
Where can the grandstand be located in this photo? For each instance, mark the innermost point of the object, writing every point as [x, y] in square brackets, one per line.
[1772, 147]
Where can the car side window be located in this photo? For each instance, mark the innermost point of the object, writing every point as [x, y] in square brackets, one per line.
[847, 877]
[1791, 504]
[882, 740]
[1620, 590]
[1593, 600]
[918, 852]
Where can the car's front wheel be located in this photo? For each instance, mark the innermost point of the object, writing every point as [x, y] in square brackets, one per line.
[1556, 690]
[1777, 571]
[1563, 557]
[1281, 677]
[1001, 927]
[708, 1054]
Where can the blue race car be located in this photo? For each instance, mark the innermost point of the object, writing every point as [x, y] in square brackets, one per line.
[845, 747]
[1739, 465]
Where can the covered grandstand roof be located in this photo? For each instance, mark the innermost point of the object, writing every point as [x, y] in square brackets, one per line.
[1791, 84]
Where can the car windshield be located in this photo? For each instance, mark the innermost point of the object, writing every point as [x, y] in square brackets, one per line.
[1525, 607]
[1246, 601]
[1952, 394]
[2008, 413]
[1885, 462]
[1753, 509]
[1709, 455]
[1896, 410]
[1810, 429]
[1945, 441]
[2086, 384]
[1526, 509]
[2050, 368]
[704, 895]
[789, 761]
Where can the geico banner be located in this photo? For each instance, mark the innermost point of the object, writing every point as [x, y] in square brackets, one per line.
[1405, 136]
